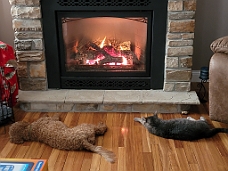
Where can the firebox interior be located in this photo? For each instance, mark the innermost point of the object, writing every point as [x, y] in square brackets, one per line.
[104, 44]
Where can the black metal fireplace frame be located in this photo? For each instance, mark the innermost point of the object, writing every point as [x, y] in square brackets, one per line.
[51, 9]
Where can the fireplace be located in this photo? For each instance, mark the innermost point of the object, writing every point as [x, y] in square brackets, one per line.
[167, 50]
[105, 44]
[161, 46]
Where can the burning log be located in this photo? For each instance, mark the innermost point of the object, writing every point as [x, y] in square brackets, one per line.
[92, 53]
[131, 55]
[108, 58]
[111, 59]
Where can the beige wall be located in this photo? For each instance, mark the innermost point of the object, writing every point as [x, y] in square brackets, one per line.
[211, 23]
[6, 31]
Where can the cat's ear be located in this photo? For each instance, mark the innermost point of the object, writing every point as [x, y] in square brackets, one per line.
[156, 113]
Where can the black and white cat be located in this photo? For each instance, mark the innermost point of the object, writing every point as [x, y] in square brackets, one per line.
[179, 129]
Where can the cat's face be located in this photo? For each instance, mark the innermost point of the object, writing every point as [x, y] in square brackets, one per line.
[151, 119]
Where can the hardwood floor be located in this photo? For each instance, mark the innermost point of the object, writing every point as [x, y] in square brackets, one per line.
[135, 148]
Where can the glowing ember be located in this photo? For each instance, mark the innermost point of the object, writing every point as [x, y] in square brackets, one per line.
[124, 61]
[95, 61]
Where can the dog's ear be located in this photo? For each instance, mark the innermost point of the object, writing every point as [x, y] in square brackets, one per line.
[16, 140]
[100, 129]
[16, 132]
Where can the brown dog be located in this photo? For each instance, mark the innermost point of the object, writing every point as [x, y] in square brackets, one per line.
[51, 131]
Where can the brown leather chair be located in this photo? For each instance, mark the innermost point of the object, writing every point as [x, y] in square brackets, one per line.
[218, 81]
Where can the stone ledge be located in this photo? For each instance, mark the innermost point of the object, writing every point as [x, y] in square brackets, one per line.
[107, 101]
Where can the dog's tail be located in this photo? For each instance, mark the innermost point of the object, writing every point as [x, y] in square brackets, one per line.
[108, 155]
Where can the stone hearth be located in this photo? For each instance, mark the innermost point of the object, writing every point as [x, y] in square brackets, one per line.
[107, 101]
[29, 48]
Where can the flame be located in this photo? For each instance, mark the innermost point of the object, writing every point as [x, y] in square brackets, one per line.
[102, 43]
[75, 47]
[111, 51]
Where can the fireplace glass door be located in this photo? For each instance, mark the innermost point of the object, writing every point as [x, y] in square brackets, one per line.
[106, 44]
[102, 45]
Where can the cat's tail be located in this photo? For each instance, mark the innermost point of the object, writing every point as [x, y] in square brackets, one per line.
[214, 131]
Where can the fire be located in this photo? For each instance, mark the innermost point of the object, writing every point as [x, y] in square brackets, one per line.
[95, 61]
[75, 47]
[103, 52]
[102, 43]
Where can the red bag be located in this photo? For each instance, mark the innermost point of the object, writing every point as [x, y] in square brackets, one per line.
[8, 76]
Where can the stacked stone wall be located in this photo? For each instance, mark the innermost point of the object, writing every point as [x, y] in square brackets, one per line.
[179, 45]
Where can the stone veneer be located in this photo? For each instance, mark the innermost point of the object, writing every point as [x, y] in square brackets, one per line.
[29, 44]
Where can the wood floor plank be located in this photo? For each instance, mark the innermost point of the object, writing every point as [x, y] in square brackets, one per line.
[121, 159]
[174, 162]
[4, 136]
[8, 149]
[182, 159]
[137, 148]
[145, 137]
[86, 162]
[201, 152]
[157, 162]
[147, 160]
[165, 152]
[46, 153]
[194, 167]
[53, 158]
[96, 163]
[115, 138]
[78, 160]
[104, 165]
[214, 154]
[69, 161]
[22, 151]
[68, 119]
[191, 158]
[33, 150]
[60, 160]
[108, 138]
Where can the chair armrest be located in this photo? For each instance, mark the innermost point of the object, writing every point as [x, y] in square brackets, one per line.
[220, 45]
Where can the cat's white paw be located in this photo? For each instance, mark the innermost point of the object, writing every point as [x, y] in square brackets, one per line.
[190, 118]
[141, 120]
[202, 118]
[137, 119]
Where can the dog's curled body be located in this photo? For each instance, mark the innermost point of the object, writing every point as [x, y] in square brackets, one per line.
[51, 131]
